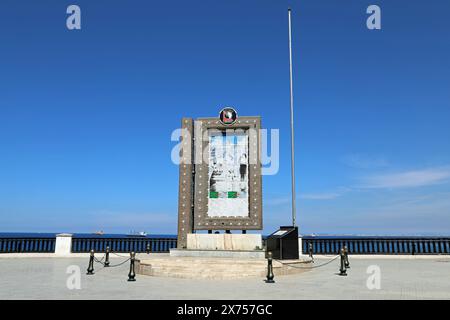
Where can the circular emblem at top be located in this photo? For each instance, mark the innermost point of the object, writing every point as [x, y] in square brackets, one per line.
[228, 116]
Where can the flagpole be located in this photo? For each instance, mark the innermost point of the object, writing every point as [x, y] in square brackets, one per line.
[292, 123]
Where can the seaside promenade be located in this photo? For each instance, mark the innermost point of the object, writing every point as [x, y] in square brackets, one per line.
[418, 277]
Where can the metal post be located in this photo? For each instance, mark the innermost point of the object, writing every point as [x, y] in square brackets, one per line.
[270, 275]
[107, 257]
[292, 123]
[347, 263]
[132, 274]
[90, 269]
[147, 249]
[342, 270]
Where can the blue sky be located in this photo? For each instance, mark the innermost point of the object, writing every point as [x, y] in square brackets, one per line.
[86, 115]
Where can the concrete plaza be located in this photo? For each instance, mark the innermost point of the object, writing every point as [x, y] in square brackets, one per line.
[400, 278]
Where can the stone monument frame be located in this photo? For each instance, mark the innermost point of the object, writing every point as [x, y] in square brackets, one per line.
[201, 219]
[193, 181]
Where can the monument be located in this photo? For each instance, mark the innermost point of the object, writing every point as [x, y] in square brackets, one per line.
[220, 189]
[219, 200]
[220, 185]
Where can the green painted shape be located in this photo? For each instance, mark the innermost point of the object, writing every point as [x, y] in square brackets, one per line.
[232, 194]
[213, 194]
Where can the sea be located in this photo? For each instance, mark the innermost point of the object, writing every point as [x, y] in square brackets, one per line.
[81, 235]
[174, 236]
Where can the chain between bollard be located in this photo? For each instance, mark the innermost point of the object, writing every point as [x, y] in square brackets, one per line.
[116, 254]
[92, 259]
[293, 265]
[107, 262]
[100, 261]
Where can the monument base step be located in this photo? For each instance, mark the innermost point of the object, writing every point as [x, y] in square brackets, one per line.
[215, 268]
[237, 254]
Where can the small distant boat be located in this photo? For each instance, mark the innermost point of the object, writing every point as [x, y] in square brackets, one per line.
[99, 233]
[137, 234]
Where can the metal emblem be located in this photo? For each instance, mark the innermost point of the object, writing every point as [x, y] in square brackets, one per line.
[228, 116]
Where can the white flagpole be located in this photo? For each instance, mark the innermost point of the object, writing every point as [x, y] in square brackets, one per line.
[292, 123]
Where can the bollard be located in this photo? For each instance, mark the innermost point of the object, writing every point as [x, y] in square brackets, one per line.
[147, 249]
[346, 262]
[132, 274]
[107, 257]
[270, 275]
[311, 252]
[342, 270]
[90, 269]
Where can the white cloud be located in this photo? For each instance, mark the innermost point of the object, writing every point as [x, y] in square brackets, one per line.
[320, 196]
[408, 179]
[361, 161]
[285, 200]
[338, 192]
[277, 201]
[411, 212]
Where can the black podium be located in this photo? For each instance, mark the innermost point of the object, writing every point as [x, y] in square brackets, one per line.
[283, 243]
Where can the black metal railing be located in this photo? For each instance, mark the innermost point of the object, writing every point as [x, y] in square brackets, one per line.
[320, 244]
[11, 245]
[46, 244]
[123, 244]
[377, 245]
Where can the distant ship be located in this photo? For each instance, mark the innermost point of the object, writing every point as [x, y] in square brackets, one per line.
[99, 233]
[137, 234]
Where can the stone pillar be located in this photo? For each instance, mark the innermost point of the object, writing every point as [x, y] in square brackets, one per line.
[300, 248]
[185, 195]
[63, 246]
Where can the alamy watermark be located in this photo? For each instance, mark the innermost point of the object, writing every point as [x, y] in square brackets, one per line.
[73, 281]
[374, 20]
[373, 282]
[182, 151]
[73, 22]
